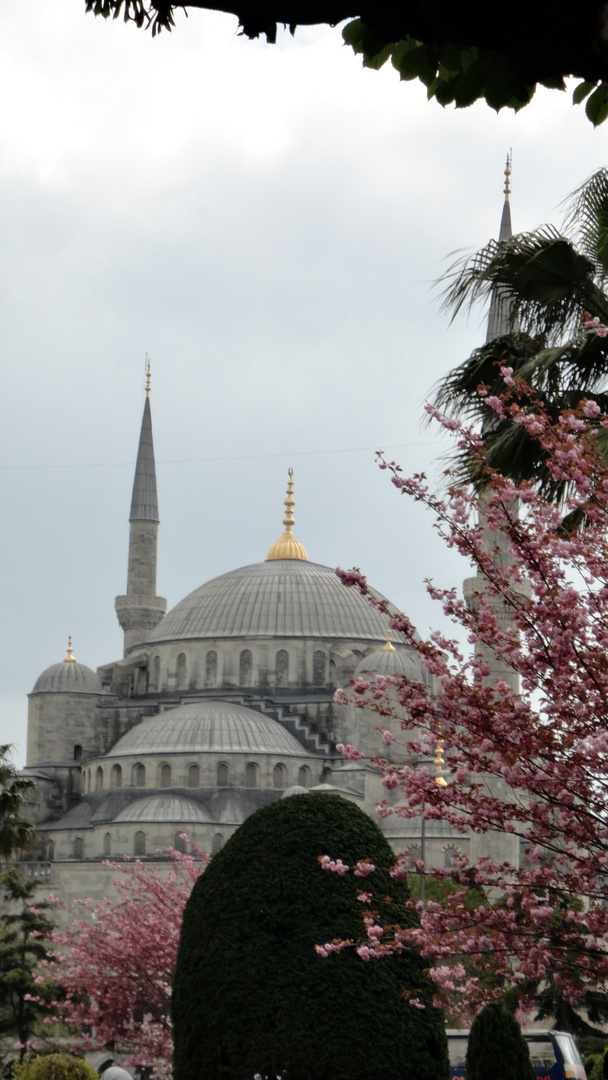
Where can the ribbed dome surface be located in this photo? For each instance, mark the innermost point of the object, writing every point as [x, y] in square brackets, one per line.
[67, 677]
[280, 598]
[164, 808]
[207, 727]
[389, 662]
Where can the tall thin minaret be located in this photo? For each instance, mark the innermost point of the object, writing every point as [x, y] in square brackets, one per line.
[141, 609]
[500, 323]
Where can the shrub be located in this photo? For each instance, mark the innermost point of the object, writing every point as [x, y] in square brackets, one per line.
[55, 1067]
[252, 997]
[497, 1047]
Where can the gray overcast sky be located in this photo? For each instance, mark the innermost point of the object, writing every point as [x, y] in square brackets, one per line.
[266, 222]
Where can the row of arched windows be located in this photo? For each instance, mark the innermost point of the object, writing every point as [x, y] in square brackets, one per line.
[222, 776]
[281, 669]
[139, 844]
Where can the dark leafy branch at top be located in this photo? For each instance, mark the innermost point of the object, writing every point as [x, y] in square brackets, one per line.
[461, 51]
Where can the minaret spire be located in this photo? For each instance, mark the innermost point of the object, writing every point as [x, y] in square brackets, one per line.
[141, 609]
[499, 317]
[287, 547]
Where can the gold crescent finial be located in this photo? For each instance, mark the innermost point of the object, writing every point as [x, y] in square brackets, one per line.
[287, 547]
[439, 763]
[69, 659]
[148, 375]
[508, 175]
[388, 647]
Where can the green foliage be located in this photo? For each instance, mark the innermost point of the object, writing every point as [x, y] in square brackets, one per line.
[25, 931]
[597, 1070]
[55, 1067]
[16, 833]
[252, 997]
[497, 1047]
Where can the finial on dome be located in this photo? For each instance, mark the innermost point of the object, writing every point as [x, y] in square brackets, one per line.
[439, 764]
[148, 375]
[69, 659]
[388, 646]
[508, 175]
[287, 547]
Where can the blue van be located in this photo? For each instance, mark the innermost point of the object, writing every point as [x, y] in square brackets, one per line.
[554, 1055]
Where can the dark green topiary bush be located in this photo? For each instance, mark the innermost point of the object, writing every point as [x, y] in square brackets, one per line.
[252, 997]
[497, 1048]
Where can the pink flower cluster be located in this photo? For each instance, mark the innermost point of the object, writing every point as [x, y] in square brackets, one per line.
[530, 763]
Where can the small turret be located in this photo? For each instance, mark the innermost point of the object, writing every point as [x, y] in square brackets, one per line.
[141, 609]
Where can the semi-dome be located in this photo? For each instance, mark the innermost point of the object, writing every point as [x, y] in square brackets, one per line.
[208, 727]
[389, 662]
[288, 598]
[158, 808]
[68, 677]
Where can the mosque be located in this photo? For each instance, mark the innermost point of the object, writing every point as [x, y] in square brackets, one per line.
[218, 706]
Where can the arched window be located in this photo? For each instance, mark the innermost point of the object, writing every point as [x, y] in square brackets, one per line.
[304, 776]
[156, 673]
[216, 844]
[245, 668]
[116, 776]
[99, 779]
[78, 754]
[449, 853]
[79, 848]
[138, 775]
[251, 775]
[319, 667]
[211, 668]
[222, 774]
[50, 851]
[326, 775]
[281, 668]
[279, 776]
[165, 775]
[182, 672]
[107, 844]
[179, 843]
[194, 776]
[413, 855]
[139, 844]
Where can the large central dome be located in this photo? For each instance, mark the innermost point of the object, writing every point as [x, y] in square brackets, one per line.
[287, 598]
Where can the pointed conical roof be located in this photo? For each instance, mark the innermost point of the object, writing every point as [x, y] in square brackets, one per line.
[144, 504]
[499, 317]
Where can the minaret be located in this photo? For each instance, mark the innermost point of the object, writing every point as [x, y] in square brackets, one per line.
[141, 609]
[499, 324]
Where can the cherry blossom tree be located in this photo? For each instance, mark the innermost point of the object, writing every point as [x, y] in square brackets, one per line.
[528, 762]
[115, 960]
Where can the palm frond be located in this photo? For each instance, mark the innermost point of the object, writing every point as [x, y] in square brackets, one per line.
[457, 395]
[587, 221]
[549, 282]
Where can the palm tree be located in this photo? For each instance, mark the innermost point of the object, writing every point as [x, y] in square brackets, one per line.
[548, 283]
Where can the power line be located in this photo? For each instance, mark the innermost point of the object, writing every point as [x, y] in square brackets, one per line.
[232, 457]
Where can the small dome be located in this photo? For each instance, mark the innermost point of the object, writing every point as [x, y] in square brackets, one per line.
[115, 1073]
[295, 789]
[68, 677]
[157, 808]
[208, 727]
[389, 662]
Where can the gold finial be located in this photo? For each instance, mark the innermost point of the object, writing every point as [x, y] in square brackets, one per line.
[69, 659]
[388, 647]
[148, 375]
[287, 547]
[508, 175]
[439, 764]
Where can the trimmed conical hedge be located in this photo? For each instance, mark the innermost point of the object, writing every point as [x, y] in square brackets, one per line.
[251, 997]
[497, 1048]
